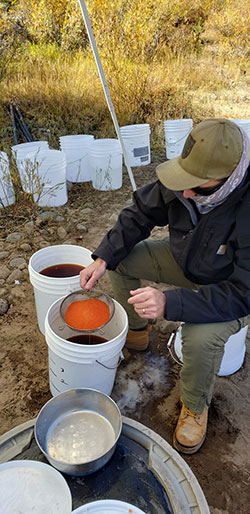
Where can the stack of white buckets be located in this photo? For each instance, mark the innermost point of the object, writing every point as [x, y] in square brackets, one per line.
[73, 365]
[19, 153]
[7, 194]
[50, 167]
[42, 172]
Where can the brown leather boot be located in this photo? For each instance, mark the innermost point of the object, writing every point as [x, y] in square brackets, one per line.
[190, 430]
[138, 340]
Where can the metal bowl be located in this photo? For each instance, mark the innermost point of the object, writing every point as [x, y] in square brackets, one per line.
[79, 295]
[78, 430]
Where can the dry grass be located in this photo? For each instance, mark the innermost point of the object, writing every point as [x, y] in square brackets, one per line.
[59, 91]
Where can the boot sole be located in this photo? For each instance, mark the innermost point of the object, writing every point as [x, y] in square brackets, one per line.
[188, 450]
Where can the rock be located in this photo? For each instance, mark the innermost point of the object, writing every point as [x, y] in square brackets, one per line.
[29, 227]
[17, 261]
[85, 211]
[81, 227]
[47, 215]
[14, 237]
[59, 218]
[43, 244]
[4, 272]
[167, 327]
[15, 275]
[22, 266]
[4, 306]
[25, 247]
[2, 281]
[61, 232]
[16, 292]
[3, 255]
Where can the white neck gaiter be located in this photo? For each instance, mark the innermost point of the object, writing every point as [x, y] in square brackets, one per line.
[207, 203]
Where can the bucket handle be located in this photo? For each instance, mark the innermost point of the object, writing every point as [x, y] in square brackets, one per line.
[171, 351]
[121, 358]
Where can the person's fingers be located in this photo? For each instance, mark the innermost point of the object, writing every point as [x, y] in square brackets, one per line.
[148, 302]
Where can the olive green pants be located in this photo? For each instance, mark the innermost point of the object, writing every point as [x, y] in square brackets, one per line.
[203, 344]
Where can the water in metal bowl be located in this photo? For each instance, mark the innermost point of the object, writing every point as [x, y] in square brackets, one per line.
[78, 430]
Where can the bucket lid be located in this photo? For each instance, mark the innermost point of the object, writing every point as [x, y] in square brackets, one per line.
[81, 295]
[29, 486]
[108, 507]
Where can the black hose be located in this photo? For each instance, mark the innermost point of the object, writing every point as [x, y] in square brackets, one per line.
[22, 124]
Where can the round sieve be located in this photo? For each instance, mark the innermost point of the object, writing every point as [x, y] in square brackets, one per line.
[81, 295]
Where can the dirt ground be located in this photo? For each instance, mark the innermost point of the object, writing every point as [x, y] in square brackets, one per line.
[146, 386]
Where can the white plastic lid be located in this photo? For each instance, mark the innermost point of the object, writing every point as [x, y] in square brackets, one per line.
[108, 507]
[31, 487]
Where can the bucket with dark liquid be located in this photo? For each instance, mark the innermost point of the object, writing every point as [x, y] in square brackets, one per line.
[54, 272]
[80, 359]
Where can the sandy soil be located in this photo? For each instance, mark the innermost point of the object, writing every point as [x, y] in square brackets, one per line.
[146, 386]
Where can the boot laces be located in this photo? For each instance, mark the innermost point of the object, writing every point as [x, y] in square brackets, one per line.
[188, 412]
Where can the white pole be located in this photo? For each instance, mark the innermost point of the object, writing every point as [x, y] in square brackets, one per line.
[105, 88]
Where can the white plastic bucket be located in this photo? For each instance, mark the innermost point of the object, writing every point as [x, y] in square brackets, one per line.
[49, 289]
[243, 124]
[7, 194]
[47, 177]
[108, 507]
[20, 152]
[73, 365]
[176, 132]
[76, 148]
[137, 143]
[106, 164]
[234, 352]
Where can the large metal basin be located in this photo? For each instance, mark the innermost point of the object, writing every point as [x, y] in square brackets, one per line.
[78, 430]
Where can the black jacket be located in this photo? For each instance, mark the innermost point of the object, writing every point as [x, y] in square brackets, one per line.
[197, 248]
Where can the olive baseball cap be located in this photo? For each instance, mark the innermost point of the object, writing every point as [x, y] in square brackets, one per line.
[212, 151]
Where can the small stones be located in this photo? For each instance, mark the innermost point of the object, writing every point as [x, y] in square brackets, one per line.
[81, 228]
[25, 247]
[4, 306]
[29, 227]
[15, 275]
[14, 237]
[86, 211]
[4, 272]
[17, 262]
[17, 292]
[47, 215]
[3, 255]
[61, 232]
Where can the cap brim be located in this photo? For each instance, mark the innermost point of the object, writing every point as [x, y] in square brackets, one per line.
[173, 176]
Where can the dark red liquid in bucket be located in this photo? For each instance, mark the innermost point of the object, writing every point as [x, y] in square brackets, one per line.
[87, 339]
[62, 270]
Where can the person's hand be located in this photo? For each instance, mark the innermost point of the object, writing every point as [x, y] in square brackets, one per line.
[90, 275]
[148, 302]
